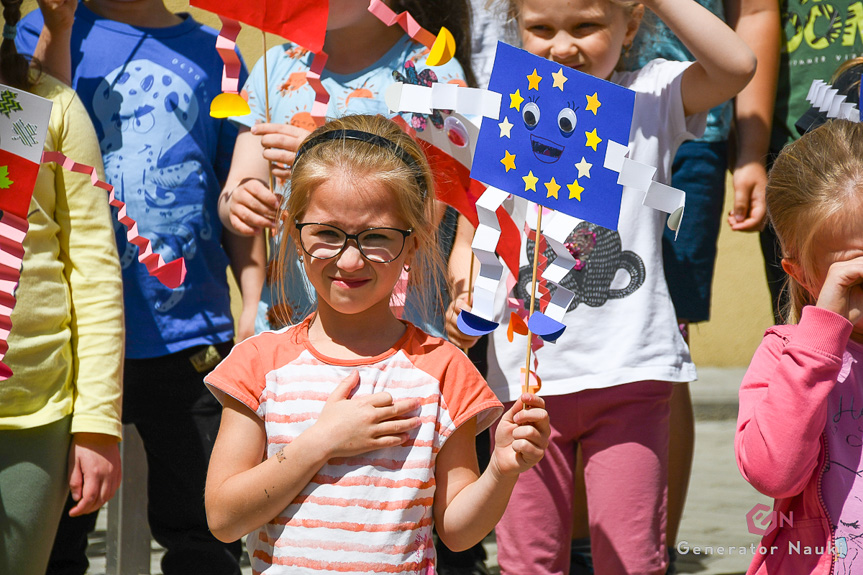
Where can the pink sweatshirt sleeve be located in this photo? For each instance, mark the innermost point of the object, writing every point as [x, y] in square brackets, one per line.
[783, 401]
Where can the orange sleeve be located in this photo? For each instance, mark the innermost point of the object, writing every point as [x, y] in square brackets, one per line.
[465, 393]
[242, 374]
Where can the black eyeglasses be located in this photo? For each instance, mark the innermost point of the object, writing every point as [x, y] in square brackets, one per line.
[378, 245]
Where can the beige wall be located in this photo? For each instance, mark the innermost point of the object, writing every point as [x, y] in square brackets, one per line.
[741, 304]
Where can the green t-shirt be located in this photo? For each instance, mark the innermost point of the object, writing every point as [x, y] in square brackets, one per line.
[818, 36]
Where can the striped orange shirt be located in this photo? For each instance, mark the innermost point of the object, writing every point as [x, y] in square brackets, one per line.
[371, 513]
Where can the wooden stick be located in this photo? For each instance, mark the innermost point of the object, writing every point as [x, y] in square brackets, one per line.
[469, 290]
[526, 386]
[272, 178]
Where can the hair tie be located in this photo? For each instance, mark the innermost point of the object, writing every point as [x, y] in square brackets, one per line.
[9, 32]
[369, 138]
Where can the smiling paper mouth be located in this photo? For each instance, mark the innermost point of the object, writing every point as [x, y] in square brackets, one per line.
[545, 150]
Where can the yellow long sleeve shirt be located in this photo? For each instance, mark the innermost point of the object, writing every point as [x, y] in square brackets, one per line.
[66, 342]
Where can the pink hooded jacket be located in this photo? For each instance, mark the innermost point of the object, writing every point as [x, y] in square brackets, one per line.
[780, 443]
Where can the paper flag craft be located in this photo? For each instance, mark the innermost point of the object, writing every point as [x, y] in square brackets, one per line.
[301, 21]
[24, 120]
[558, 138]
[549, 143]
[304, 22]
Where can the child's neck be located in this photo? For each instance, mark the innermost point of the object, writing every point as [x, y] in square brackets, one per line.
[357, 47]
[355, 336]
[142, 13]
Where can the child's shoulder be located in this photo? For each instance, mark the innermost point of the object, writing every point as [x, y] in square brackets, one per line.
[271, 343]
[656, 72]
[431, 348]
[51, 88]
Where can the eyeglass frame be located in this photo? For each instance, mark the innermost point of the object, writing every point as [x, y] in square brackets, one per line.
[356, 237]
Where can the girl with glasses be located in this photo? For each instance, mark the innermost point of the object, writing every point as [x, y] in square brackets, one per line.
[346, 436]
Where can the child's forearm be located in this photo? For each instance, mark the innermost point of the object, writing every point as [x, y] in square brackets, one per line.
[724, 63]
[468, 507]
[248, 261]
[760, 28]
[783, 403]
[476, 509]
[246, 501]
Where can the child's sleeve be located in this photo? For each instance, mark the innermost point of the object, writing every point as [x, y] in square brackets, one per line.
[241, 375]
[466, 394]
[89, 255]
[29, 28]
[783, 402]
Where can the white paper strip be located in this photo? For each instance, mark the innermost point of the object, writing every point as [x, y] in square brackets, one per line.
[402, 97]
[484, 243]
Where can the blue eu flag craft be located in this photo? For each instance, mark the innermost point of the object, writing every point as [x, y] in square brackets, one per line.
[548, 145]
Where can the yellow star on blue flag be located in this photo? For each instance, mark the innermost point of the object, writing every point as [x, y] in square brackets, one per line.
[553, 127]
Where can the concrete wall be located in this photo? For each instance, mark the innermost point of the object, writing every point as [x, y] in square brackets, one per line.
[741, 304]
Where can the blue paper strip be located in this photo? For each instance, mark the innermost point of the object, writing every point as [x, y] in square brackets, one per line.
[470, 324]
[545, 327]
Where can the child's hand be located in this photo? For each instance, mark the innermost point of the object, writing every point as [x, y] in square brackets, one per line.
[362, 424]
[521, 436]
[842, 291]
[750, 209]
[453, 333]
[280, 142]
[94, 471]
[252, 206]
[59, 15]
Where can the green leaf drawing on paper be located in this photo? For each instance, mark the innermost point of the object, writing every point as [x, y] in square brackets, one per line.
[5, 182]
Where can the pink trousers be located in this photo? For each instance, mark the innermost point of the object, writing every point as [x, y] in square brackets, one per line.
[623, 432]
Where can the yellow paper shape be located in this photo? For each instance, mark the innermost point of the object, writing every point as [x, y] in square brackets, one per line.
[225, 105]
[443, 48]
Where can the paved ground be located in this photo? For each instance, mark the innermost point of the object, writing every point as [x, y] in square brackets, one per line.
[714, 520]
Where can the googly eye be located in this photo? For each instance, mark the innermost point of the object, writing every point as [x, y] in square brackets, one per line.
[530, 114]
[456, 132]
[566, 121]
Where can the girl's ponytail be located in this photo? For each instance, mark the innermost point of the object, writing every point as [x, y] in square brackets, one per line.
[455, 15]
[14, 68]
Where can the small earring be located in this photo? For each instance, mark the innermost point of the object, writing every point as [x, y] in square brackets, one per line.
[406, 267]
[300, 255]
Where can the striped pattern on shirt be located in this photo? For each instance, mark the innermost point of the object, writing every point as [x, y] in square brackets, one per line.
[370, 513]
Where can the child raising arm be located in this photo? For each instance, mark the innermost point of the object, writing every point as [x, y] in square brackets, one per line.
[608, 379]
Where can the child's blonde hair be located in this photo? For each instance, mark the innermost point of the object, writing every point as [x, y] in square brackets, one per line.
[628, 6]
[513, 6]
[812, 179]
[359, 161]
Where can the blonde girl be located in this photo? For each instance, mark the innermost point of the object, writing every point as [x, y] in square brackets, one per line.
[798, 435]
[609, 378]
[344, 437]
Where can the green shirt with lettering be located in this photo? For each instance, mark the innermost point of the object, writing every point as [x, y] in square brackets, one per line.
[818, 36]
